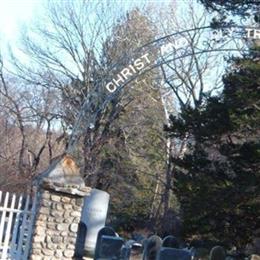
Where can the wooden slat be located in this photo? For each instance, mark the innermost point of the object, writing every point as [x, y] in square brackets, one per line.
[28, 212]
[17, 220]
[0, 197]
[8, 229]
[13, 247]
[22, 227]
[2, 224]
[32, 217]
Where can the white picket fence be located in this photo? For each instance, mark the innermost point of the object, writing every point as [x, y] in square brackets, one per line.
[16, 223]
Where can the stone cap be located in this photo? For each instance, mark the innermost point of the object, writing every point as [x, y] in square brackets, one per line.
[72, 189]
[63, 171]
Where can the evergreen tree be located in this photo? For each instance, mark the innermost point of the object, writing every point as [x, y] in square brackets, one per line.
[217, 180]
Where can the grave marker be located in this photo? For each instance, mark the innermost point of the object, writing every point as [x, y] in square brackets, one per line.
[167, 253]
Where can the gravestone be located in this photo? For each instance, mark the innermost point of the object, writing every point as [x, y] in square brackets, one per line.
[94, 214]
[167, 253]
[105, 231]
[217, 253]
[170, 241]
[110, 247]
[151, 247]
[132, 250]
[125, 252]
[200, 253]
[81, 237]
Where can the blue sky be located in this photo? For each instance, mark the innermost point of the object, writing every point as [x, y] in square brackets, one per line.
[13, 13]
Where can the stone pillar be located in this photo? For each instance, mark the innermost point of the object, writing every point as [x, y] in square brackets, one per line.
[57, 223]
[60, 202]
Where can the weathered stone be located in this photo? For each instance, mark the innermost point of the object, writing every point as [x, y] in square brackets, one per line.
[51, 232]
[50, 219]
[59, 206]
[76, 220]
[66, 214]
[40, 223]
[66, 199]
[56, 213]
[68, 253]
[61, 246]
[44, 210]
[36, 256]
[56, 239]
[70, 246]
[46, 195]
[77, 208]
[37, 239]
[39, 230]
[70, 240]
[61, 227]
[43, 244]
[58, 220]
[36, 246]
[51, 246]
[73, 201]
[58, 254]
[67, 206]
[64, 234]
[46, 203]
[72, 234]
[48, 239]
[51, 226]
[86, 190]
[75, 214]
[48, 252]
[79, 202]
[55, 198]
[74, 227]
[42, 217]
[48, 258]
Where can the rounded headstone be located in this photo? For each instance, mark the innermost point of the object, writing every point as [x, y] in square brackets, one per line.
[217, 253]
[152, 247]
[94, 215]
[200, 253]
[170, 241]
[105, 231]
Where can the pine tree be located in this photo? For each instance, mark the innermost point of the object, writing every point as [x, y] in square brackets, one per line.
[217, 180]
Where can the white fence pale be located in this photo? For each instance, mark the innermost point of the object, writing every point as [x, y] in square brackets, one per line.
[16, 223]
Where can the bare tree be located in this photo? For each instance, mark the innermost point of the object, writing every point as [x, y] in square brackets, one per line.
[27, 129]
[191, 70]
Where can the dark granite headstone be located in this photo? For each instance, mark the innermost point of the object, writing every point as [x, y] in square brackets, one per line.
[170, 241]
[105, 231]
[200, 253]
[110, 248]
[80, 242]
[217, 253]
[167, 253]
[151, 247]
[125, 252]
[132, 250]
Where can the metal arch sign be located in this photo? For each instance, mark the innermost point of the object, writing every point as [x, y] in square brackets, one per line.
[143, 64]
[143, 61]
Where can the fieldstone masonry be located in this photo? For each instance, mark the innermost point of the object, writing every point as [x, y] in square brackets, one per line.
[58, 217]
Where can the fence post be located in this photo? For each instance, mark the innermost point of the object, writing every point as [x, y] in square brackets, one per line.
[59, 211]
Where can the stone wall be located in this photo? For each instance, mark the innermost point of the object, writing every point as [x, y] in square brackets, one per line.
[57, 223]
